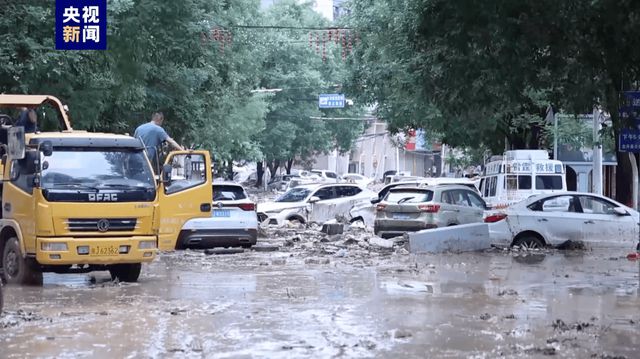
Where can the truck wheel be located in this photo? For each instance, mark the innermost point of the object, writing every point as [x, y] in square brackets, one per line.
[125, 272]
[17, 269]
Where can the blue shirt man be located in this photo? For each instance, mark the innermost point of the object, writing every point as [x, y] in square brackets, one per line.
[153, 135]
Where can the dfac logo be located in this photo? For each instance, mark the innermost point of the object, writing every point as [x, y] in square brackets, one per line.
[103, 197]
[81, 24]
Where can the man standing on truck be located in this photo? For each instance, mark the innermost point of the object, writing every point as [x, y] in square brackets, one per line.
[29, 120]
[153, 135]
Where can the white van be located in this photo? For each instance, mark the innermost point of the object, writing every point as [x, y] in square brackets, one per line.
[520, 174]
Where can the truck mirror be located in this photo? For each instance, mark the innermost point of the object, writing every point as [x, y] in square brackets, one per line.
[46, 148]
[16, 143]
[166, 174]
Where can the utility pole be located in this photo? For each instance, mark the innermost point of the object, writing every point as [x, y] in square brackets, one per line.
[596, 177]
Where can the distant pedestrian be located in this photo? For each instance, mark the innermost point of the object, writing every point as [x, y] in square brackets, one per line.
[153, 135]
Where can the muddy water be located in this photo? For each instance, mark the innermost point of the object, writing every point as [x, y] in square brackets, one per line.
[286, 305]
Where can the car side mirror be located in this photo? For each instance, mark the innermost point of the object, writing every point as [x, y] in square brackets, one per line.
[314, 199]
[375, 200]
[46, 148]
[621, 211]
[166, 174]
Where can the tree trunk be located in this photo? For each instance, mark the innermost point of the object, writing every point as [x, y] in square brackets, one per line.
[230, 170]
[259, 174]
[273, 166]
[288, 165]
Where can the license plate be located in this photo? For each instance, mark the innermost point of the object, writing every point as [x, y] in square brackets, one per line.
[104, 251]
[400, 216]
[221, 213]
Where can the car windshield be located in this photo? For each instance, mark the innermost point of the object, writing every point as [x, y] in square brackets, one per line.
[409, 196]
[98, 168]
[294, 195]
[227, 192]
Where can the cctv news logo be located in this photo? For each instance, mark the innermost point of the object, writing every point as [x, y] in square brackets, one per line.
[81, 24]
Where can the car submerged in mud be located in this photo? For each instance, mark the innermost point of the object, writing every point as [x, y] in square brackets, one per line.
[312, 203]
[554, 219]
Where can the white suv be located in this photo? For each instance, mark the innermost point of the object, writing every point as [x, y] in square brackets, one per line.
[326, 176]
[312, 203]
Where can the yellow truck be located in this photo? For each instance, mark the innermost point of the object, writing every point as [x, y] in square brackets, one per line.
[75, 201]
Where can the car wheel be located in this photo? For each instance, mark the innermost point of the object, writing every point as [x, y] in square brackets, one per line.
[125, 272]
[16, 268]
[528, 242]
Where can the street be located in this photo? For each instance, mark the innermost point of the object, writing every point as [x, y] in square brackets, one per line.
[335, 297]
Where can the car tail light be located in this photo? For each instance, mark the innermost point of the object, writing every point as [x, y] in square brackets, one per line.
[495, 218]
[381, 207]
[429, 208]
[247, 206]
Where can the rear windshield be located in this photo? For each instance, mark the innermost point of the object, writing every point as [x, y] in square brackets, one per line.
[549, 182]
[409, 196]
[228, 193]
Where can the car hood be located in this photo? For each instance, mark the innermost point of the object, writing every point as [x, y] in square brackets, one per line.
[278, 206]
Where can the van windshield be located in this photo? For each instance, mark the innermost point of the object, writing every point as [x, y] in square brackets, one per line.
[548, 182]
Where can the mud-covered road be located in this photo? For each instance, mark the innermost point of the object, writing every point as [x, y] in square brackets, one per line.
[335, 297]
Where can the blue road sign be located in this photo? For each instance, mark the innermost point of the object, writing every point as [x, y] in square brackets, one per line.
[629, 140]
[333, 100]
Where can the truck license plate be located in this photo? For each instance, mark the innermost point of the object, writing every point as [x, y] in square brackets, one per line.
[221, 213]
[104, 251]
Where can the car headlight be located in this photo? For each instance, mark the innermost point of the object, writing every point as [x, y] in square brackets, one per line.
[53, 246]
[147, 245]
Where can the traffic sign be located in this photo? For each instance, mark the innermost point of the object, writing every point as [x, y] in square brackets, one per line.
[331, 100]
[629, 140]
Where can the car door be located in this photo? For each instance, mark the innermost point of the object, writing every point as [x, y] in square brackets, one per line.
[188, 195]
[602, 225]
[321, 211]
[478, 206]
[553, 217]
[449, 213]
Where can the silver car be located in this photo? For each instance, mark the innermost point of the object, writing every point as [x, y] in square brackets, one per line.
[414, 208]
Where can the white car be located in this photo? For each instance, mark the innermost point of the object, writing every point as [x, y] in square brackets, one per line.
[358, 179]
[312, 203]
[326, 176]
[233, 221]
[554, 218]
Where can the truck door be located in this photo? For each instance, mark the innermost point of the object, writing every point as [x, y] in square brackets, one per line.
[188, 195]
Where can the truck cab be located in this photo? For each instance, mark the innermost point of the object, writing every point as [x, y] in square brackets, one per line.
[75, 201]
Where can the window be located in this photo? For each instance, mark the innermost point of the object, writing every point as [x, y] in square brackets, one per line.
[524, 182]
[555, 204]
[347, 191]
[228, 193]
[325, 193]
[456, 198]
[596, 205]
[511, 183]
[187, 171]
[476, 201]
[482, 186]
[297, 194]
[492, 186]
[331, 174]
[409, 196]
[548, 182]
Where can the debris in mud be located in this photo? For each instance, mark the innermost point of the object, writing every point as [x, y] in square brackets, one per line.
[507, 292]
[543, 351]
[401, 334]
[561, 326]
[510, 316]
[12, 319]
[265, 248]
[223, 251]
[572, 245]
[317, 261]
[485, 316]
